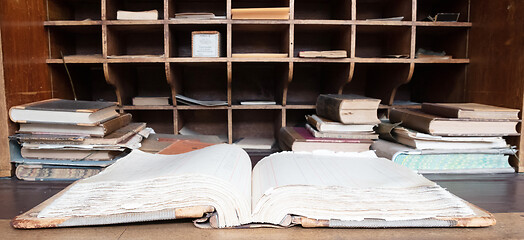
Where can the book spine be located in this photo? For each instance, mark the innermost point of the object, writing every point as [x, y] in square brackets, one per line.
[440, 110]
[412, 121]
[314, 122]
[329, 107]
[115, 124]
[286, 139]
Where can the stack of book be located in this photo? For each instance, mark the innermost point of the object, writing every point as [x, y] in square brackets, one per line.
[451, 138]
[344, 123]
[67, 140]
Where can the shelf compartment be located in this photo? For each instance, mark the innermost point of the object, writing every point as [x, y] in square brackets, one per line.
[312, 79]
[260, 38]
[180, 38]
[297, 117]
[427, 8]
[217, 7]
[452, 40]
[160, 120]
[322, 38]
[264, 124]
[133, 5]
[259, 3]
[75, 41]
[207, 122]
[201, 81]
[88, 80]
[139, 80]
[381, 41]
[435, 83]
[78, 10]
[135, 40]
[258, 81]
[378, 80]
[377, 9]
[323, 10]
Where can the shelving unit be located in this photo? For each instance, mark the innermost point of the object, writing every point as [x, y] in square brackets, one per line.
[117, 60]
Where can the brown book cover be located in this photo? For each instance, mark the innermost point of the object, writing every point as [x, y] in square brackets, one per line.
[300, 139]
[92, 155]
[183, 146]
[260, 13]
[435, 125]
[348, 108]
[470, 110]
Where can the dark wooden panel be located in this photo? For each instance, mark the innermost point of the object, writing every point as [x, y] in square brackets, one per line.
[496, 71]
[24, 54]
[5, 166]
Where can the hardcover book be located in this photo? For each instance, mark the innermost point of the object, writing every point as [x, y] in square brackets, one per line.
[470, 110]
[326, 125]
[348, 109]
[217, 185]
[300, 139]
[63, 111]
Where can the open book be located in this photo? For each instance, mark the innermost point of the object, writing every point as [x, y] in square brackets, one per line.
[284, 189]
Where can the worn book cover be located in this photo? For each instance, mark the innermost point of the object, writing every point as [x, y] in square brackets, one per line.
[470, 110]
[348, 109]
[300, 139]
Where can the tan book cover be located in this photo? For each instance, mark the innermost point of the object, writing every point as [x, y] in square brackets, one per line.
[470, 110]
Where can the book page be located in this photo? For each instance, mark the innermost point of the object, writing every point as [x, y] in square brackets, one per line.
[218, 176]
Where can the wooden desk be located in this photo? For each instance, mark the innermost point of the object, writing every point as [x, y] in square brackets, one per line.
[509, 226]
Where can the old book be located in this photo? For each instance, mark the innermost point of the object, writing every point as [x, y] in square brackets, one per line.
[341, 135]
[55, 110]
[195, 15]
[255, 143]
[446, 160]
[435, 125]
[157, 142]
[470, 110]
[323, 54]
[423, 141]
[218, 186]
[299, 139]
[207, 103]
[47, 172]
[137, 15]
[260, 13]
[348, 108]
[151, 101]
[69, 154]
[326, 125]
[116, 137]
[100, 130]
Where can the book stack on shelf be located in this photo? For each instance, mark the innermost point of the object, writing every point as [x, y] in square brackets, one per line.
[451, 138]
[344, 124]
[69, 140]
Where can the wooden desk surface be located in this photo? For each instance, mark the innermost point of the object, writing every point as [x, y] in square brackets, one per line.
[509, 226]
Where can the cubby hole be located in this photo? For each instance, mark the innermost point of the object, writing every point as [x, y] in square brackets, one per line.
[427, 8]
[73, 10]
[383, 41]
[140, 80]
[437, 83]
[260, 38]
[324, 10]
[201, 81]
[379, 9]
[181, 38]
[88, 80]
[206, 122]
[451, 40]
[256, 124]
[159, 120]
[135, 40]
[297, 117]
[377, 80]
[312, 79]
[217, 7]
[259, 3]
[75, 41]
[258, 82]
[134, 5]
[322, 38]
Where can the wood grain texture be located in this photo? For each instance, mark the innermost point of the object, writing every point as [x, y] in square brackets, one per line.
[496, 70]
[5, 165]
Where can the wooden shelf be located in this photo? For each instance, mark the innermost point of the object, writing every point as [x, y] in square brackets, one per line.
[126, 59]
